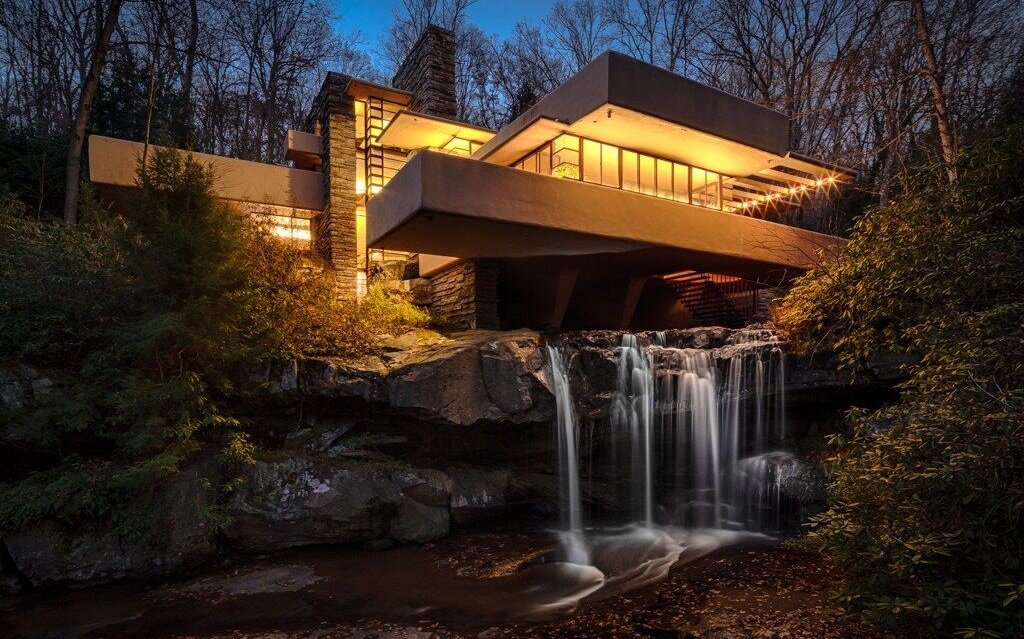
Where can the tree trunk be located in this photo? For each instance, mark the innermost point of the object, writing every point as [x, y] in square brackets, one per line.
[938, 98]
[190, 63]
[89, 88]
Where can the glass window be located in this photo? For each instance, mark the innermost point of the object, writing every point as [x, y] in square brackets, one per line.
[360, 173]
[630, 171]
[360, 113]
[706, 188]
[591, 161]
[714, 190]
[664, 179]
[610, 165]
[565, 143]
[544, 160]
[681, 182]
[457, 146]
[648, 183]
[565, 157]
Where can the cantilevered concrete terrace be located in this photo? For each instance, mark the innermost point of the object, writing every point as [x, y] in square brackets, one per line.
[447, 205]
[694, 173]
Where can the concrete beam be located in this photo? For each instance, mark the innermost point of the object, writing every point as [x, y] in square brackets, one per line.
[633, 291]
[566, 283]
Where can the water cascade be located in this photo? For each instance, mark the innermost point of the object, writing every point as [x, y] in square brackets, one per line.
[692, 443]
[567, 436]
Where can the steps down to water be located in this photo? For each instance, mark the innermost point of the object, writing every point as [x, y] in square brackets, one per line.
[718, 300]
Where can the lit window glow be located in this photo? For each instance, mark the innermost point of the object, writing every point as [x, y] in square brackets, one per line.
[289, 228]
[572, 157]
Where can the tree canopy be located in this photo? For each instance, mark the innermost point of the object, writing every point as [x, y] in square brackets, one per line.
[927, 514]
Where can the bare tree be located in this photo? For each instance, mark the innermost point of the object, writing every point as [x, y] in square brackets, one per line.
[85, 99]
[662, 32]
[411, 17]
[578, 31]
[931, 70]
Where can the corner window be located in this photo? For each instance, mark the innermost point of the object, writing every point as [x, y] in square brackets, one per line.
[565, 157]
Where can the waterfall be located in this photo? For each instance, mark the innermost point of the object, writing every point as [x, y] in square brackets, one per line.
[567, 436]
[694, 433]
[632, 412]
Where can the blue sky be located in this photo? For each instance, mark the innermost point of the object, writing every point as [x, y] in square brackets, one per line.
[372, 17]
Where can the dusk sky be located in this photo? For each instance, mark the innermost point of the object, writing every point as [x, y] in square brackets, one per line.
[372, 17]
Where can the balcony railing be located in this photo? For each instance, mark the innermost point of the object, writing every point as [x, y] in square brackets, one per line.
[578, 158]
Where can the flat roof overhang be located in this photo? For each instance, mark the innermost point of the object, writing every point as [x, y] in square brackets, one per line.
[412, 130]
[623, 101]
[446, 205]
[364, 89]
[616, 80]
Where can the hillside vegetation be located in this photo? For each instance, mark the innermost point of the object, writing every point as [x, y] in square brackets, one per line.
[927, 515]
[153, 325]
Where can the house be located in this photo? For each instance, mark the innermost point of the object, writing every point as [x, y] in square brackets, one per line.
[627, 197]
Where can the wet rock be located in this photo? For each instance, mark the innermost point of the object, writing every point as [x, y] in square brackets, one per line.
[464, 379]
[500, 377]
[360, 378]
[325, 440]
[537, 492]
[289, 379]
[477, 493]
[12, 391]
[804, 483]
[258, 582]
[303, 501]
[47, 553]
[476, 376]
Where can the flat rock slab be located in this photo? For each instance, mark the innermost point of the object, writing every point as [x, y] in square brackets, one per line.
[275, 579]
[462, 379]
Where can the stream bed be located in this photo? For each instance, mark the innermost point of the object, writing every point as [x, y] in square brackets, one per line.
[473, 584]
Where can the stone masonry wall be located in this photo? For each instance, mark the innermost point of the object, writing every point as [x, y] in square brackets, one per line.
[465, 296]
[428, 72]
[333, 117]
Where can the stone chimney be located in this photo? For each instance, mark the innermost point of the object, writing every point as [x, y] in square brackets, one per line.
[332, 117]
[428, 72]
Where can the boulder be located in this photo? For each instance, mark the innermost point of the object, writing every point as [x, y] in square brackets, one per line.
[12, 390]
[535, 491]
[473, 377]
[477, 493]
[48, 554]
[303, 501]
[21, 385]
[804, 483]
[477, 376]
[360, 378]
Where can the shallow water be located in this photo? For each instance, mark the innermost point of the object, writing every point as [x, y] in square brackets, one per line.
[307, 588]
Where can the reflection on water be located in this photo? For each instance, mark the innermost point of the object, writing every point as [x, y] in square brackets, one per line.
[305, 588]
